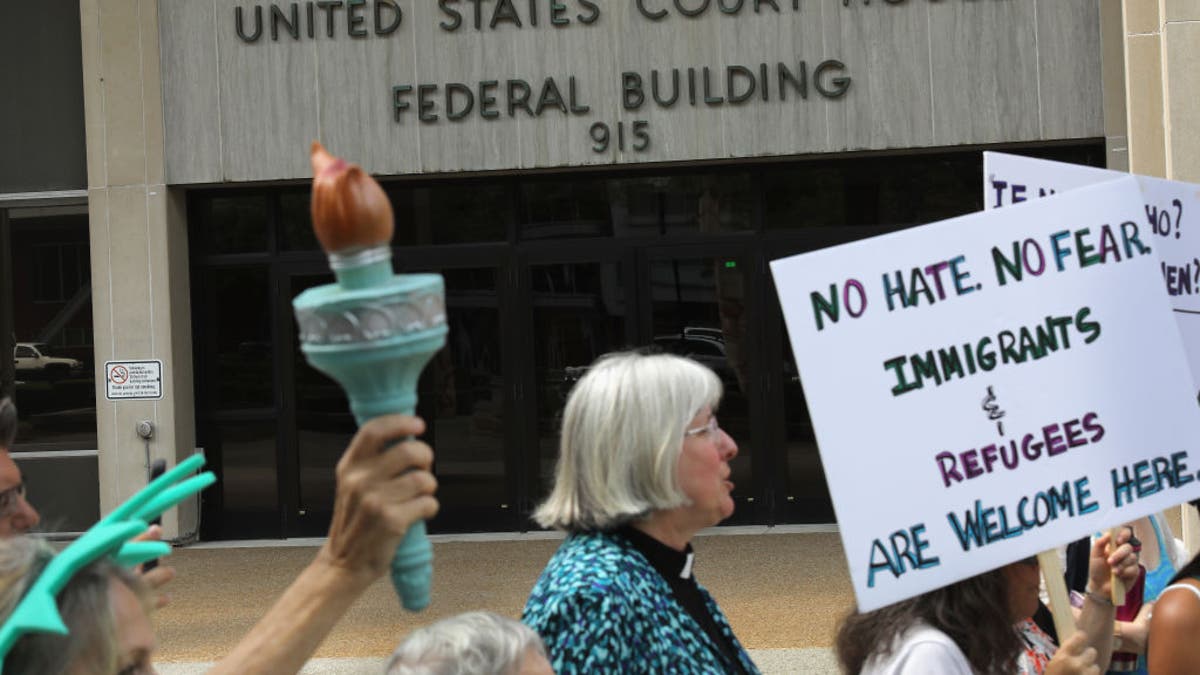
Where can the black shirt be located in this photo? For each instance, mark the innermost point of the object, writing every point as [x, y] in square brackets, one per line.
[676, 568]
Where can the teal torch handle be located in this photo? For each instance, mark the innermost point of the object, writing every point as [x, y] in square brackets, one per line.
[412, 568]
[412, 563]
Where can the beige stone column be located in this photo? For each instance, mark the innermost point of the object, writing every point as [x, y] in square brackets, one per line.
[1112, 75]
[1144, 87]
[140, 297]
[1162, 85]
[1181, 87]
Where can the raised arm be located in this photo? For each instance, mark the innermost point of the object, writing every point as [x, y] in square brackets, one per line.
[1098, 613]
[382, 489]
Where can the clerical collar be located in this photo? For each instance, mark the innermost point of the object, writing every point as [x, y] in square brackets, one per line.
[671, 564]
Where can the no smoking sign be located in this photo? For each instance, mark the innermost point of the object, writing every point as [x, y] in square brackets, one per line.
[133, 380]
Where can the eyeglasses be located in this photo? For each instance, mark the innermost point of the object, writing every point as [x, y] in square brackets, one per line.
[710, 428]
[8, 498]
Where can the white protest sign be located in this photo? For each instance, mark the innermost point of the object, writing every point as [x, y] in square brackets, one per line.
[991, 386]
[1171, 213]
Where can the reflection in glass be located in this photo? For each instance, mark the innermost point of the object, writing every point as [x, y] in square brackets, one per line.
[248, 485]
[689, 204]
[295, 222]
[324, 425]
[890, 191]
[239, 337]
[699, 312]
[53, 358]
[237, 224]
[558, 209]
[805, 474]
[462, 397]
[452, 213]
[579, 313]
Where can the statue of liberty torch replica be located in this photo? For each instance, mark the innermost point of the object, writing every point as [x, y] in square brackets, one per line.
[372, 331]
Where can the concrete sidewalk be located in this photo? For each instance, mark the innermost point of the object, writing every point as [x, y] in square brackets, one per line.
[771, 661]
[783, 594]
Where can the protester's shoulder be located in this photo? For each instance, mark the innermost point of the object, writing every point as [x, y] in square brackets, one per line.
[590, 570]
[1178, 607]
[594, 559]
[921, 650]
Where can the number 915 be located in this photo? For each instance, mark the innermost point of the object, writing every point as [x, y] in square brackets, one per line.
[601, 135]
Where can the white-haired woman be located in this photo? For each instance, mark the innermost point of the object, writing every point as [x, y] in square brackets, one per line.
[643, 467]
[472, 643]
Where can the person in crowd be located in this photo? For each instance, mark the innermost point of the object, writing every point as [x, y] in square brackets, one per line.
[1174, 647]
[643, 467]
[1160, 555]
[383, 486]
[17, 516]
[968, 628]
[105, 608]
[472, 643]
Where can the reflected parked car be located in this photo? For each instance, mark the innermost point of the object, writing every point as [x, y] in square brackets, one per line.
[32, 359]
[703, 345]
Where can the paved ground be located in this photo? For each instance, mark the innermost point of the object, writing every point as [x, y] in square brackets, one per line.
[783, 593]
[770, 661]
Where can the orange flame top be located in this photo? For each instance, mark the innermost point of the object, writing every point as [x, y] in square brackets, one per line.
[349, 208]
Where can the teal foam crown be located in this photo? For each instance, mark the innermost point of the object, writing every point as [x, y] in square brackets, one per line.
[38, 610]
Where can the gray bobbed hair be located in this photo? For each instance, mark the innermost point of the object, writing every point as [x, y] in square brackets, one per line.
[473, 643]
[622, 433]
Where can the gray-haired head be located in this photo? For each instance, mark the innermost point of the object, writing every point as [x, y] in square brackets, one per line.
[8, 423]
[473, 643]
[621, 438]
[90, 646]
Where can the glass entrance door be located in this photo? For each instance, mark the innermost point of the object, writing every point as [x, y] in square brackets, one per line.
[462, 396]
[699, 302]
[581, 309]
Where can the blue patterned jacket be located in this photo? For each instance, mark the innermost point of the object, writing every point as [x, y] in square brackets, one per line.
[601, 607]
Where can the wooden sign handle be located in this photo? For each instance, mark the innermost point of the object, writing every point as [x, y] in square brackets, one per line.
[1060, 602]
[1191, 528]
[1118, 586]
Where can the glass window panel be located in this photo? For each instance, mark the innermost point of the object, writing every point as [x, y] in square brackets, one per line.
[579, 313]
[48, 268]
[410, 207]
[295, 222]
[919, 189]
[699, 312]
[664, 205]
[805, 474]
[463, 396]
[236, 224]
[560, 209]
[248, 484]
[453, 213]
[54, 372]
[804, 195]
[324, 425]
[64, 489]
[238, 318]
